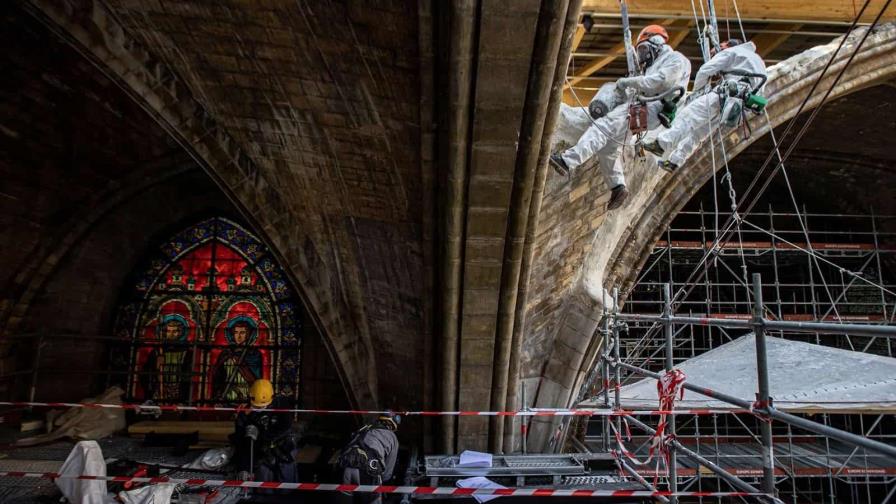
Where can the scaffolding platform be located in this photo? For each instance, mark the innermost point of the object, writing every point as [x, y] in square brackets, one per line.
[800, 458]
[522, 471]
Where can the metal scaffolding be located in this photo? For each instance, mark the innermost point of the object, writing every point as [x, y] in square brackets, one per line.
[844, 300]
[797, 288]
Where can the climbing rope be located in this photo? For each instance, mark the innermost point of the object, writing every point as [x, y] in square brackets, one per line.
[740, 24]
[823, 259]
[723, 237]
[799, 218]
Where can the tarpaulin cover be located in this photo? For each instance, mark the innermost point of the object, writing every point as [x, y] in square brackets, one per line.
[802, 377]
[85, 423]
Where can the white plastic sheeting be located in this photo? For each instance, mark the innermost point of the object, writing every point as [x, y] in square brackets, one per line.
[151, 494]
[86, 458]
[802, 377]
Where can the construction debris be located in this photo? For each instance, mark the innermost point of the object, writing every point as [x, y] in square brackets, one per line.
[84, 423]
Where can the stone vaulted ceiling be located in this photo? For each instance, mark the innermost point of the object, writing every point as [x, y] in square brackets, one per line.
[383, 149]
[393, 153]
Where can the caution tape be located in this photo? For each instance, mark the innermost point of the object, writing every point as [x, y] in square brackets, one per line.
[380, 489]
[237, 409]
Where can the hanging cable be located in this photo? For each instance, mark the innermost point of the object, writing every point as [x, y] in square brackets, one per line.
[729, 224]
[740, 24]
[724, 237]
[732, 194]
[799, 217]
[704, 43]
[813, 114]
[823, 259]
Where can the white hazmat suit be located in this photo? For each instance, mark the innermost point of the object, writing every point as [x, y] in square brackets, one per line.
[702, 113]
[603, 139]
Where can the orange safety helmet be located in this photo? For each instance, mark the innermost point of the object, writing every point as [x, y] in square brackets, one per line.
[651, 30]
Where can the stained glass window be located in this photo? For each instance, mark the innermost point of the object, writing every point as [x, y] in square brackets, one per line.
[209, 313]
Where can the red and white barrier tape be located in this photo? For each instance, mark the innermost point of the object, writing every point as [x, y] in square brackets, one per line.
[668, 387]
[333, 487]
[523, 413]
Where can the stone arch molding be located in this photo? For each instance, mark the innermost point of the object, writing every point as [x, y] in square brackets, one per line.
[622, 243]
[96, 33]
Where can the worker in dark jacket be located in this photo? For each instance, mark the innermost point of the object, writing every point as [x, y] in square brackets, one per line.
[369, 458]
[264, 441]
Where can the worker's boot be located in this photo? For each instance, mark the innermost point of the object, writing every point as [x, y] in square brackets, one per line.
[653, 147]
[669, 166]
[559, 165]
[618, 195]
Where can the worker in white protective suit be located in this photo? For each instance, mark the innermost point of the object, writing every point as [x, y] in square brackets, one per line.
[742, 72]
[664, 70]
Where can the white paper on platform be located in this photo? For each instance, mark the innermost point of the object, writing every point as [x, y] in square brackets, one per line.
[480, 482]
[470, 458]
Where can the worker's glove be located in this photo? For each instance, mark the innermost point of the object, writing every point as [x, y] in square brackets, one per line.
[628, 83]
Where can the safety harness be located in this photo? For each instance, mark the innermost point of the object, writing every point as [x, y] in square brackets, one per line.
[737, 96]
[356, 455]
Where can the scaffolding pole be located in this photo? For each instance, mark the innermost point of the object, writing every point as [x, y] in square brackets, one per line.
[605, 370]
[722, 473]
[768, 461]
[669, 337]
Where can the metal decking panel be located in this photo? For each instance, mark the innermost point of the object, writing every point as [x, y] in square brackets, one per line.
[807, 459]
[509, 465]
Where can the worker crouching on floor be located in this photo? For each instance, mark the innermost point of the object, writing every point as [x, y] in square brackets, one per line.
[369, 458]
[742, 74]
[665, 70]
[264, 443]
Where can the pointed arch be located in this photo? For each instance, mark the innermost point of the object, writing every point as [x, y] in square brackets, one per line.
[208, 312]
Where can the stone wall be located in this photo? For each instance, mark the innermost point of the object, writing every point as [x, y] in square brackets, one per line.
[91, 183]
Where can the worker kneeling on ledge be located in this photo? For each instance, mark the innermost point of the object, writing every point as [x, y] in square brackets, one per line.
[369, 458]
[665, 70]
[742, 75]
[264, 442]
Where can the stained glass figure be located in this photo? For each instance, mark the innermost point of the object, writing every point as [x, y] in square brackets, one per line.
[209, 313]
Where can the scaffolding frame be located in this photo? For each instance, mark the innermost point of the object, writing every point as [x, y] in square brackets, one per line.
[763, 406]
[723, 292]
[799, 290]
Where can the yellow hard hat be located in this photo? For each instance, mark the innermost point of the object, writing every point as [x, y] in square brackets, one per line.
[261, 393]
